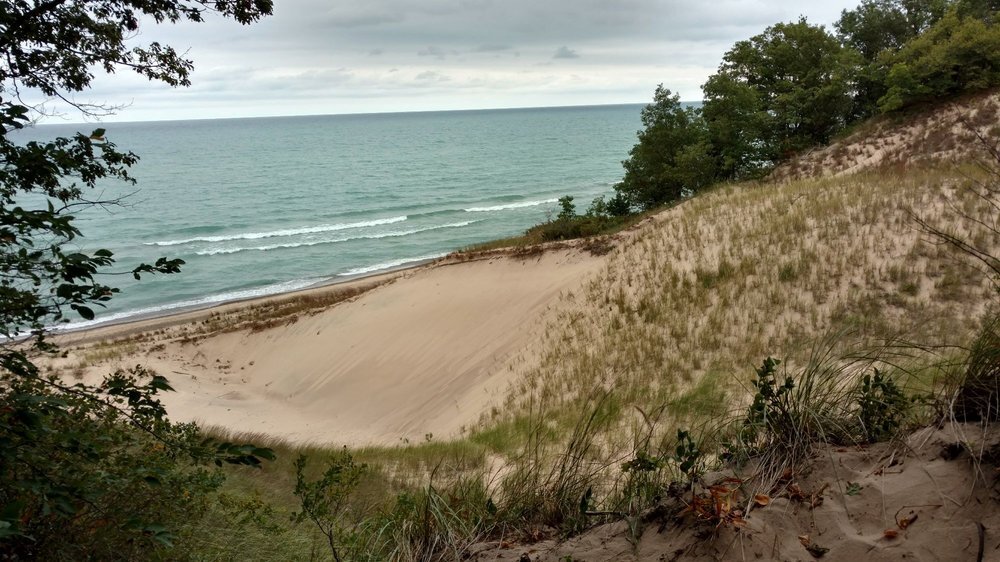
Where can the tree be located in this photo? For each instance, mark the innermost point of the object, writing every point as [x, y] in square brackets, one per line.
[672, 157]
[85, 470]
[325, 501]
[736, 120]
[878, 26]
[957, 54]
[982, 9]
[789, 87]
[876, 29]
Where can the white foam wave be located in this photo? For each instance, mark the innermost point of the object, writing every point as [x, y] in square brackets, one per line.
[389, 265]
[281, 233]
[508, 206]
[393, 234]
[277, 288]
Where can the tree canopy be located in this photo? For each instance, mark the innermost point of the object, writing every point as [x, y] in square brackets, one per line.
[957, 54]
[791, 85]
[795, 85]
[877, 28]
[671, 157]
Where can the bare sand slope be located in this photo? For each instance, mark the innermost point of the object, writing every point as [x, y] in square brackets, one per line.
[424, 354]
[945, 132]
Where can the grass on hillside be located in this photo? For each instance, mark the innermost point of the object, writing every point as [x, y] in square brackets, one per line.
[748, 271]
[832, 276]
[557, 230]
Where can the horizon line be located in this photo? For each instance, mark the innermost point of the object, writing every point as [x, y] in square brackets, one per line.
[354, 114]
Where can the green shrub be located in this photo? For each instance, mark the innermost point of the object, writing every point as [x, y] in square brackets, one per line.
[324, 501]
[789, 414]
[882, 407]
[572, 227]
[100, 472]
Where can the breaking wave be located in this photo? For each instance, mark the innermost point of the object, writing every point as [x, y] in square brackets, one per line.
[281, 233]
[393, 234]
[389, 265]
[509, 206]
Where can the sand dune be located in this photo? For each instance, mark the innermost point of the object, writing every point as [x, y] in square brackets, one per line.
[424, 354]
[927, 499]
[946, 132]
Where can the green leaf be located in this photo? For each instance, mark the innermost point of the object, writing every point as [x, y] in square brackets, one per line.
[84, 311]
[585, 500]
[160, 383]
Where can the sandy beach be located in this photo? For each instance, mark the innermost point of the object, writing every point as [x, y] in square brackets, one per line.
[419, 351]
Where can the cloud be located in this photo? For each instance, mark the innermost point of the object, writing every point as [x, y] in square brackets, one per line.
[432, 76]
[476, 53]
[491, 48]
[565, 52]
[432, 51]
[363, 19]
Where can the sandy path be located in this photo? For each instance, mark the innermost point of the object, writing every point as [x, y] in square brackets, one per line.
[425, 354]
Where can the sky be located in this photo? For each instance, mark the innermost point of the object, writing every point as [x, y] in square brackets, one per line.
[367, 56]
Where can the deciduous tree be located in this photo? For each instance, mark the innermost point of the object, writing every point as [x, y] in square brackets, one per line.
[779, 92]
[672, 156]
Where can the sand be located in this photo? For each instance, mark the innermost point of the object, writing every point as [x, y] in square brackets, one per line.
[425, 353]
[924, 500]
[949, 132]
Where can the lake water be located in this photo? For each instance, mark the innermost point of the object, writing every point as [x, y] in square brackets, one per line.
[270, 205]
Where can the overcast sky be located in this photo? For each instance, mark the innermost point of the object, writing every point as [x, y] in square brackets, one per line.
[335, 56]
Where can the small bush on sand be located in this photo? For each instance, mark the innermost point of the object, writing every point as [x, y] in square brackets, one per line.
[827, 401]
[882, 407]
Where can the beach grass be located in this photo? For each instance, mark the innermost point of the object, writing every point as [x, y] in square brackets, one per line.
[683, 310]
[651, 372]
[832, 275]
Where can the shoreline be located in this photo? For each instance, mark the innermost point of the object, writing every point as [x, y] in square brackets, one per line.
[168, 318]
[305, 366]
[140, 323]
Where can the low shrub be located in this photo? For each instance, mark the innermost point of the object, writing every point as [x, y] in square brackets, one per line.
[99, 472]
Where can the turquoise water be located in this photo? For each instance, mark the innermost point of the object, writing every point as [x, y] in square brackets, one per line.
[270, 205]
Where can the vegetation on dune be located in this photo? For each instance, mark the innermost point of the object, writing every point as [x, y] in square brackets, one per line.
[86, 471]
[644, 379]
[797, 79]
[745, 272]
[646, 385]
[793, 87]
[954, 56]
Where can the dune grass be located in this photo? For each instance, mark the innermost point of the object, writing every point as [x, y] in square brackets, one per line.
[832, 276]
[543, 233]
[652, 374]
[684, 308]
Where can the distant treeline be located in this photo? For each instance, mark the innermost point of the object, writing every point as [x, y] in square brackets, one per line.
[795, 86]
